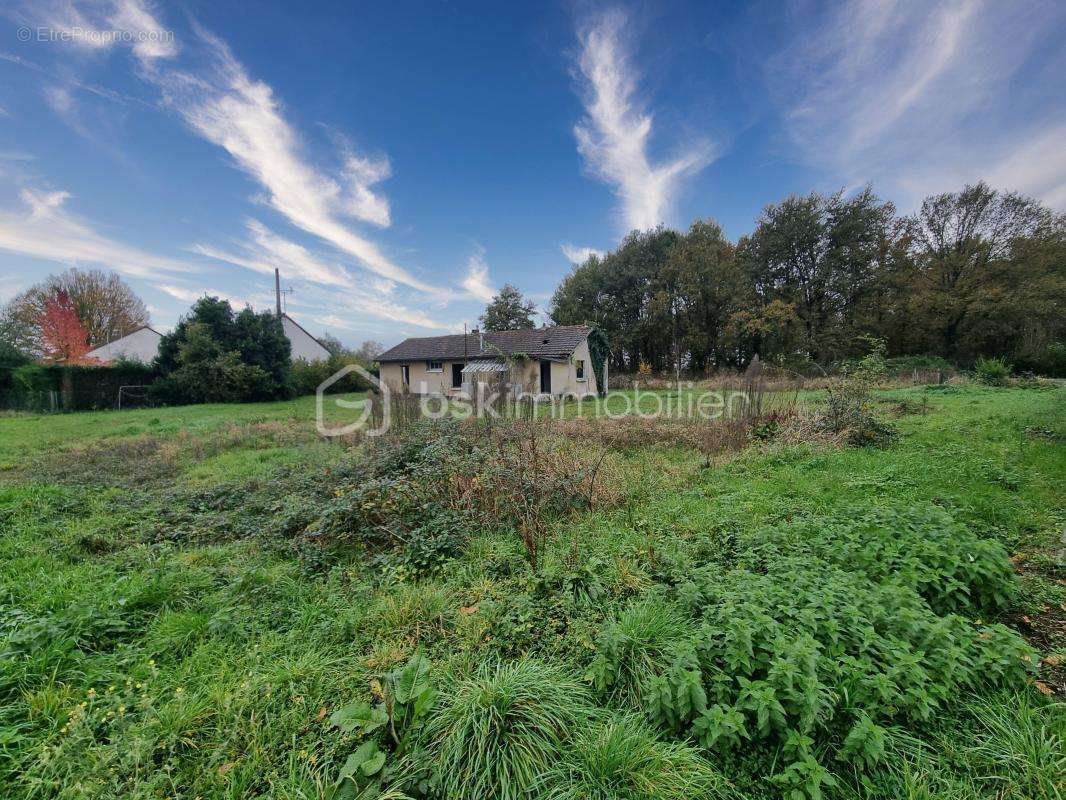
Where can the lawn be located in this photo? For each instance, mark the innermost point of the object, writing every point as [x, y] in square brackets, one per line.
[217, 602]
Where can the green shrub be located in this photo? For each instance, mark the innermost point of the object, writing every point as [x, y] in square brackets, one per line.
[849, 408]
[214, 355]
[505, 730]
[308, 375]
[992, 371]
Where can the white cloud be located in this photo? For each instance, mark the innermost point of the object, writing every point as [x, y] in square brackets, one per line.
[579, 255]
[151, 40]
[614, 136]
[912, 94]
[187, 295]
[361, 174]
[44, 228]
[1036, 167]
[241, 115]
[353, 308]
[476, 281]
[266, 250]
[333, 289]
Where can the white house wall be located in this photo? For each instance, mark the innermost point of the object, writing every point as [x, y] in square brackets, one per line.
[141, 345]
[303, 344]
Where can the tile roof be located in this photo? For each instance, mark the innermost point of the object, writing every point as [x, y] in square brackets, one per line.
[557, 342]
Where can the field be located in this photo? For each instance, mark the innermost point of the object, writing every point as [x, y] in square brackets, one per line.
[217, 602]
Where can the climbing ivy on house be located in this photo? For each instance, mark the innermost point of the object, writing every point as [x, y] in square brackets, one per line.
[599, 350]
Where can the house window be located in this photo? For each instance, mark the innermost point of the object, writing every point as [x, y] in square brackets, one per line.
[579, 368]
[434, 366]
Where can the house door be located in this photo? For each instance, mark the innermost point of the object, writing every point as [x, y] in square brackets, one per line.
[546, 377]
[405, 376]
[457, 376]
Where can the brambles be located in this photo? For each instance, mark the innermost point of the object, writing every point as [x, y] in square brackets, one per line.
[424, 490]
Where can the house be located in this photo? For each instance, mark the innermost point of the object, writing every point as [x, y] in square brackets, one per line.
[140, 345]
[143, 344]
[552, 361]
[304, 345]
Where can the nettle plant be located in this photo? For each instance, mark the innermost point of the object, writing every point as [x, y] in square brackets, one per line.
[817, 642]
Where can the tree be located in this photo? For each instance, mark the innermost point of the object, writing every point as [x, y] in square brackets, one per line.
[974, 259]
[508, 311]
[215, 355]
[369, 351]
[63, 337]
[105, 305]
[819, 254]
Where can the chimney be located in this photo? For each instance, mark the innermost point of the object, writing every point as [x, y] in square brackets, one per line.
[480, 338]
[277, 289]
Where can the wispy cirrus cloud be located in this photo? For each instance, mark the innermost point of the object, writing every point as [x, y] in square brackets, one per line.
[477, 282]
[265, 250]
[45, 228]
[614, 137]
[914, 94]
[226, 106]
[334, 289]
[217, 98]
[190, 295]
[579, 255]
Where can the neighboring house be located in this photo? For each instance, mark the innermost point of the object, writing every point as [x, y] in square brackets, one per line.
[304, 345]
[141, 345]
[554, 361]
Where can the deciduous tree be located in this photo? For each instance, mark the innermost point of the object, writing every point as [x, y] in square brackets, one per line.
[508, 311]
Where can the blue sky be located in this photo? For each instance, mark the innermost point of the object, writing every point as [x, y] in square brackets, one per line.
[400, 161]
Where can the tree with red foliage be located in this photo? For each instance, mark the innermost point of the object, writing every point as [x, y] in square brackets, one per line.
[62, 334]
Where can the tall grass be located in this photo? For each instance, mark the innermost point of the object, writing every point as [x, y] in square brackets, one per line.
[621, 758]
[504, 730]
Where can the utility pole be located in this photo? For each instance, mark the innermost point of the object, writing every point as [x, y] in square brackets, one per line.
[277, 289]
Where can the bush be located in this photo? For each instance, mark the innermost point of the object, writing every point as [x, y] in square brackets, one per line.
[213, 355]
[992, 371]
[308, 375]
[505, 730]
[77, 387]
[849, 409]
[206, 374]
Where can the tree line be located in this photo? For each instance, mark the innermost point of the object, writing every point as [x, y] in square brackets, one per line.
[973, 273]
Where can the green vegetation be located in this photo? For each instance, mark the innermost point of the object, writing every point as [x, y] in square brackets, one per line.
[213, 601]
[972, 273]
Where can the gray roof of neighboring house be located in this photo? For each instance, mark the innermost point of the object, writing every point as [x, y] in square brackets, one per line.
[549, 343]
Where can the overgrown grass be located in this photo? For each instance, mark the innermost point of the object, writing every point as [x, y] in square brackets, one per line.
[187, 596]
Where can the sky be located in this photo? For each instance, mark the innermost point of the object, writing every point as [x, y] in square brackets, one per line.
[399, 162]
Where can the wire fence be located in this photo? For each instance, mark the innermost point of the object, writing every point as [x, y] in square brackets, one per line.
[55, 401]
